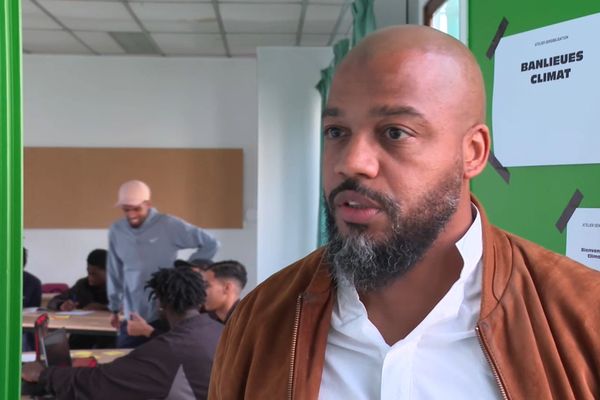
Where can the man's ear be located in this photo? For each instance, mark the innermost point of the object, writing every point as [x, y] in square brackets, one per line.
[476, 149]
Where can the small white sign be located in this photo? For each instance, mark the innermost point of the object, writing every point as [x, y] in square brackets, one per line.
[583, 237]
[546, 95]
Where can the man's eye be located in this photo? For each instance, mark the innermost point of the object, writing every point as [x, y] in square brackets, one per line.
[333, 133]
[395, 133]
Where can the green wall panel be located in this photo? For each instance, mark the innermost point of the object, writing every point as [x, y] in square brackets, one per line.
[533, 201]
[10, 200]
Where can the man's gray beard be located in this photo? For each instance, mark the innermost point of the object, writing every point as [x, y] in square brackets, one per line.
[368, 264]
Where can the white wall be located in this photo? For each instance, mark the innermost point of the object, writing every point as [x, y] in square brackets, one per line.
[390, 12]
[289, 111]
[82, 101]
[415, 11]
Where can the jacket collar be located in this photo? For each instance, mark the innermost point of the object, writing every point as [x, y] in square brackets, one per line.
[322, 280]
[497, 265]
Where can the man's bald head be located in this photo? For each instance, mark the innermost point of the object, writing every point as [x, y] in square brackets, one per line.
[428, 50]
[404, 134]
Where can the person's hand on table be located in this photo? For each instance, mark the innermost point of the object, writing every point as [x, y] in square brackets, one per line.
[68, 305]
[114, 320]
[31, 371]
[137, 326]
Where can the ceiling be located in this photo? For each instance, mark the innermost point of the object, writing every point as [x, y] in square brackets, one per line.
[206, 28]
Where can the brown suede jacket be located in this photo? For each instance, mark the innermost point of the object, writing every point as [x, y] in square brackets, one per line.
[539, 327]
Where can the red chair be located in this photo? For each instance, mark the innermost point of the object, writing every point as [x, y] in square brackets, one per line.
[54, 287]
[40, 330]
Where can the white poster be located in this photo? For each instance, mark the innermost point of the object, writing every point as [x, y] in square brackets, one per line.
[546, 101]
[583, 237]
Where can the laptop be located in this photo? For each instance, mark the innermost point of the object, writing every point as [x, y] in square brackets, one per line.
[40, 330]
[53, 352]
[55, 349]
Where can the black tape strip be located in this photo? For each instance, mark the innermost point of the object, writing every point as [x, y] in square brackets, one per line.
[567, 213]
[497, 37]
[500, 169]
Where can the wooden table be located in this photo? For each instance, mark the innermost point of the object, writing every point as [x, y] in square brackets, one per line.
[103, 356]
[96, 322]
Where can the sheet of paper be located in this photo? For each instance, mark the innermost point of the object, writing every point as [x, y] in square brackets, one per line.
[28, 356]
[583, 237]
[30, 310]
[117, 353]
[72, 313]
[81, 353]
[545, 99]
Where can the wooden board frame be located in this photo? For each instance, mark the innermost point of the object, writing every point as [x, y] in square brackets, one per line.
[76, 188]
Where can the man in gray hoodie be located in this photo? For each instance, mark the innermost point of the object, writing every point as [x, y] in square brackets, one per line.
[139, 245]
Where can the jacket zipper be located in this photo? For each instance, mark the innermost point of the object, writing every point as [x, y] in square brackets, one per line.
[491, 363]
[294, 342]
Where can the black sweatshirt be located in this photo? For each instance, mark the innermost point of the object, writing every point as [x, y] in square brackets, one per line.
[175, 365]
[82, 293]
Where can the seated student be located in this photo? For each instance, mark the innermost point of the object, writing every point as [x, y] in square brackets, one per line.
[175, 365]
[32, 286]
[224, 283]
[32, 297]
[88, 293]
[138, 326]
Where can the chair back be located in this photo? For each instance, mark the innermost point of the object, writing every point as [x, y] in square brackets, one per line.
[54, 287]
[40, 330]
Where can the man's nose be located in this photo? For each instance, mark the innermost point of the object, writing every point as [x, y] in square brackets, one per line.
[358, 157]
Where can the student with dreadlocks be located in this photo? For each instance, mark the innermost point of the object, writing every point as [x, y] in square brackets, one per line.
[175, 365]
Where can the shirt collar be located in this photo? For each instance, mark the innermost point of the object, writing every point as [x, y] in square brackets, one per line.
[470, 246]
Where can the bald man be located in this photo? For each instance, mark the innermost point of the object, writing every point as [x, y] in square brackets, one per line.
[417, 295]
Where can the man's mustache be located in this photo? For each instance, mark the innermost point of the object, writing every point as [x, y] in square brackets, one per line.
[387, 204]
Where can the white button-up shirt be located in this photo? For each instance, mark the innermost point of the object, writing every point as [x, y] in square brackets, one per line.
[440, 359]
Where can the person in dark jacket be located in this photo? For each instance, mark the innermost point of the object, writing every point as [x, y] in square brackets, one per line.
[32, 297]
[225, 281]
[138, 326]
[88, 293]
[32, 286]
[175, 365]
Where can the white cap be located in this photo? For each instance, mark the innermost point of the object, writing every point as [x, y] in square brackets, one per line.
[133, 193]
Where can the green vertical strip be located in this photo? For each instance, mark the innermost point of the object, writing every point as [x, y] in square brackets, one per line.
[11, 274]
[364, 20]
[535, 198]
